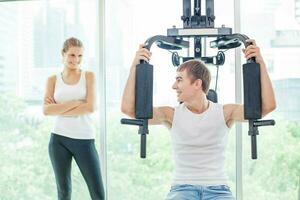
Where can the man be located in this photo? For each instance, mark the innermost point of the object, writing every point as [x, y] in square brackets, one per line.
[198, 127]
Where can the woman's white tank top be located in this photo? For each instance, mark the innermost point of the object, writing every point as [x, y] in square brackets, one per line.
[77, 127]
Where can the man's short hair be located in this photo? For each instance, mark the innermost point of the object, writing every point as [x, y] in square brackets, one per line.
[196, 69]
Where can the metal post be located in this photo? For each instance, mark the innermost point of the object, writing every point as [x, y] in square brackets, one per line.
[102, 93]
[238, 99]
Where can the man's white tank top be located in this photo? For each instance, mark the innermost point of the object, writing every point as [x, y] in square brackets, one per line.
[77, 127]
[199, 142]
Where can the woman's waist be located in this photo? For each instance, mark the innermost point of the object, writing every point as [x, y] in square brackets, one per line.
[80, 120]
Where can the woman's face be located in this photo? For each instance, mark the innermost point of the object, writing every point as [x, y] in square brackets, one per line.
[72, 57]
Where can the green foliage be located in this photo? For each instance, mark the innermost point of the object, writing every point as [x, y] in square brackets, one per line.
[129, 176]
[276, 173]
[294, 129]
[11, 109]
[26, 171]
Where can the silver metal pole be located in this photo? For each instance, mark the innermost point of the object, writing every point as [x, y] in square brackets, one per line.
[102, 92]
[299, 189]
[238, 99]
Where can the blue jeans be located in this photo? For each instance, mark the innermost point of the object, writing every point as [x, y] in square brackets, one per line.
[198, 192]
[61, 151]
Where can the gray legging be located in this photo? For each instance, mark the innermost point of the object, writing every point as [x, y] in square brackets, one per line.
[62, 150]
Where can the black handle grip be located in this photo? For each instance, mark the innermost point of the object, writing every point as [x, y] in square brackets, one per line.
[143, 145]
[253, 147]
[143, 62]
[137, 122]
[270, 122]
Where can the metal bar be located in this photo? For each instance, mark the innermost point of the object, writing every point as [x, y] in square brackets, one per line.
[137, 122]
[207, 32]
[299, 189]
[102, 93]
[238, 99]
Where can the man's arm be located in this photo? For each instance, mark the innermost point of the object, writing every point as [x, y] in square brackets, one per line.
[235, 112]
[128, 98]
[161, 115]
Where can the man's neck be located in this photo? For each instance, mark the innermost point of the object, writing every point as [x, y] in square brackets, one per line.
[198, 105]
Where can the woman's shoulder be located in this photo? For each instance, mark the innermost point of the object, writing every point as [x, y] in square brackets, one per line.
[88, 72]
[52, 78]
[89, 75]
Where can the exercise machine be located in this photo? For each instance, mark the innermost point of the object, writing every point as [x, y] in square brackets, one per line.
[198, 26]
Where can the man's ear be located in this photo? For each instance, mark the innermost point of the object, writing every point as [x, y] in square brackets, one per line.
[198, 83]
[62, 52]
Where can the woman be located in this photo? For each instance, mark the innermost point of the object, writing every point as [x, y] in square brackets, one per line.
[70, 97]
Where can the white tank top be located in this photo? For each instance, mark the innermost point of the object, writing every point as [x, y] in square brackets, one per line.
[77, 127]
[199, 143]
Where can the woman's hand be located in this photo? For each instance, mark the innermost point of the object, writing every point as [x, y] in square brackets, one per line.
[49, 100]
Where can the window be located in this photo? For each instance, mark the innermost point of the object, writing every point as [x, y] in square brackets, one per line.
[32, 34]
[275, 174]
[128, 24]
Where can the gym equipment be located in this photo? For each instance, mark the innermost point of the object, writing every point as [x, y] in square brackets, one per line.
[144, 88]
[198, 27]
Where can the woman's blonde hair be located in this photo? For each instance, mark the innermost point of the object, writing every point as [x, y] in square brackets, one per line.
[71, 42]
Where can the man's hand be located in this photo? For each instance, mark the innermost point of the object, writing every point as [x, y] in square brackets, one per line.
[253, 51]
[141, 54]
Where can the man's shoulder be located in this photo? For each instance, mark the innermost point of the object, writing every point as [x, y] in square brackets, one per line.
[166, 109]
[233, 112]
[229, 108]
[166, 112]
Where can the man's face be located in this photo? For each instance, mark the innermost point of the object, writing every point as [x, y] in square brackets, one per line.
[185, 89]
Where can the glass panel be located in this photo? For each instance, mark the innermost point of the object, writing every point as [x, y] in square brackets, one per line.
[32, 34]
[275, 175]
[129, 23]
